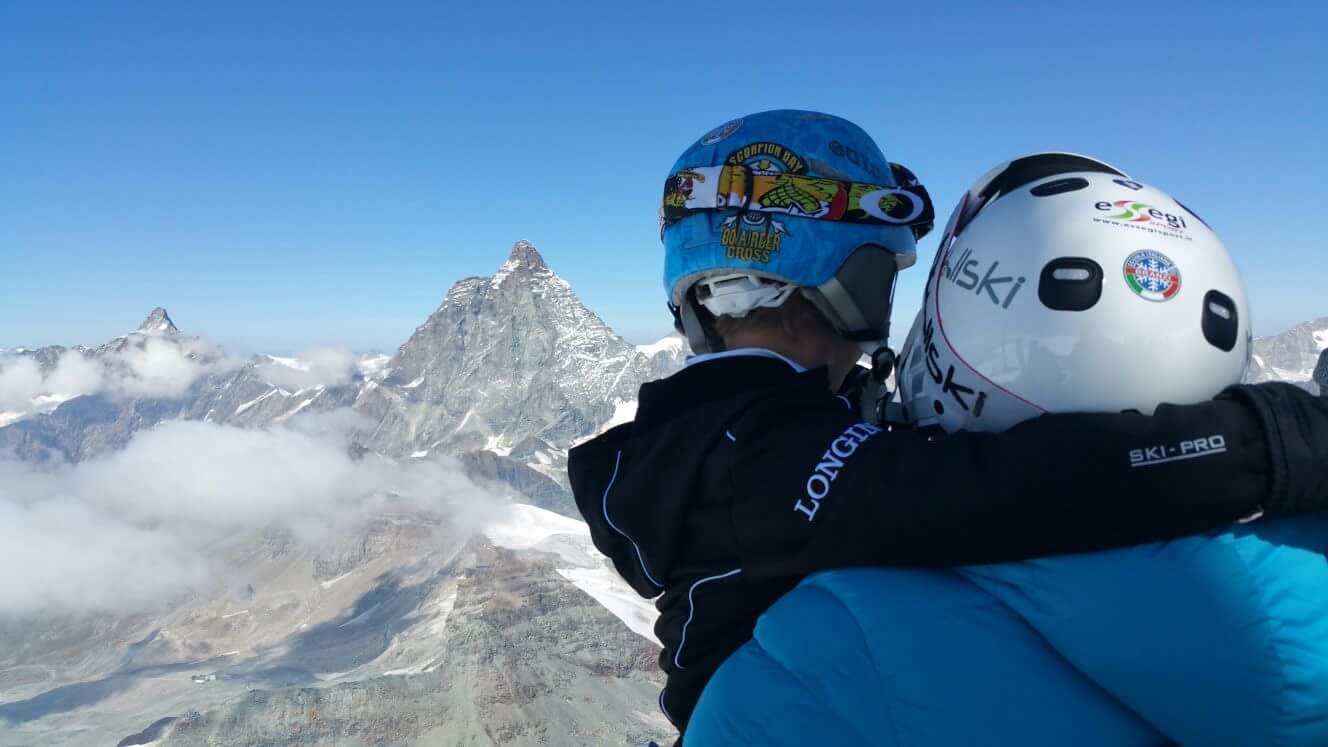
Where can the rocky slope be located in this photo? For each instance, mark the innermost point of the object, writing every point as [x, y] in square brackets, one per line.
[1290, 356]
[412, 629]
[510, 360]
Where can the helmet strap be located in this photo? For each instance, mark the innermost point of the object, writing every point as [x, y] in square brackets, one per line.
[875, 407]
[697, 324]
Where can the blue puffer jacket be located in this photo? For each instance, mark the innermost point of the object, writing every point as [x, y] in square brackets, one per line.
[1205, 640]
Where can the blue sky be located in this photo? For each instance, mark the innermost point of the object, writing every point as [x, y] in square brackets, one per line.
[285, 175]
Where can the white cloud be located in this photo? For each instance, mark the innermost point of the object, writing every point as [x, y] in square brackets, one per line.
[63, 555]
[24, 388]
[75, 374]
[126, 530]
[148, 366]
[20, 383]
[163, 368]
[316, 367]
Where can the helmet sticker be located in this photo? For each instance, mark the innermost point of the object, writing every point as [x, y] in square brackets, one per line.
[753, 237]
[946, 381]
[967, 273]
[859, 160]
[756, 236]
[1129, 184]
[767, 158]
[1141, 216]
[721, 132]
[1152, 275]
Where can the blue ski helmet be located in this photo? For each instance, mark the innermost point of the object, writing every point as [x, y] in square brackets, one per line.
[795, 199]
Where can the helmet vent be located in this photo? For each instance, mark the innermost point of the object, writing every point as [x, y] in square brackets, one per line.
[1070, 284]
[1022, 172]
[1220, 320]
[1059, 186]
[1072, 273]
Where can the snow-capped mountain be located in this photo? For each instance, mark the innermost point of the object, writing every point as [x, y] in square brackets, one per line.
[508, 373]
[1290, 356]
[412, 629]
[666, 355]
[104, 395]
[512, 363]
[158, 323]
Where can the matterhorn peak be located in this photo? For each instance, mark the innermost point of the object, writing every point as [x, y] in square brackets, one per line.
[525, 256]
[524, 261]
[158, 323]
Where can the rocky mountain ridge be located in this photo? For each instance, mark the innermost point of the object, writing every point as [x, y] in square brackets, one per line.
[508, 373]
[409, 630]
[413, 628]
[1290, 356]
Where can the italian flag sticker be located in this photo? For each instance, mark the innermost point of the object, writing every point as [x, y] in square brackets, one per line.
[1152, 275]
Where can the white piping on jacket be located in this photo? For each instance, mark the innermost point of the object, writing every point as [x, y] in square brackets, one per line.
[667, 715]
[616, 462]
[677, 655]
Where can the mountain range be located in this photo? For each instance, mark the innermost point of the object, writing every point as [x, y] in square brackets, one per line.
[412, 624]
[507, 374]
[1291, 356]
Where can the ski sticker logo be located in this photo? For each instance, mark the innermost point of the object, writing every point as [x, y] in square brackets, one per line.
[1152, 275]
[946, 380]
[754, 236]
[721, 132]
[964, 272]
[1142, 216]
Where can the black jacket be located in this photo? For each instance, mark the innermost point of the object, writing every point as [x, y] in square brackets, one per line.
[740, 476]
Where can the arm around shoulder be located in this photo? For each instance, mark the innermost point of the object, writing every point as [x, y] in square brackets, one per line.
[813, 489]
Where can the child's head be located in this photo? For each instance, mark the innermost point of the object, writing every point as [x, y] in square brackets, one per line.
[793, 224]
[1063, 285]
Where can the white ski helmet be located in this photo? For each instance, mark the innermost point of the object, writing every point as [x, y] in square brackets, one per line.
[1062, 285]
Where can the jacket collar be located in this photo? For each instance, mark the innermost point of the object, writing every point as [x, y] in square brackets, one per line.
[715, 377]
[746, 352]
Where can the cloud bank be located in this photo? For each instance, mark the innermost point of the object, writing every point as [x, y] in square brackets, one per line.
[155, 367]
[311, 368]
[24, 388]
[129, 529]
[147, 366]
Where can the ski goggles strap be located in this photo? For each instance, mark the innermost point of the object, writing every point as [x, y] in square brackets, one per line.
[737, 187]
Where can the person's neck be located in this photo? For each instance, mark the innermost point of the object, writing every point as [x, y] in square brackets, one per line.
[800, 354]
[808, 351]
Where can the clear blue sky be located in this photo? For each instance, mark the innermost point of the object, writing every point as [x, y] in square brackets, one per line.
[283, 175]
